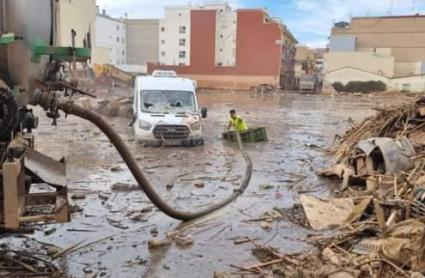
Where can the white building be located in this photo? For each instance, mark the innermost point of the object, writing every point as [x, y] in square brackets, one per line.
[226, 29]
[174, 34]
[111, 35]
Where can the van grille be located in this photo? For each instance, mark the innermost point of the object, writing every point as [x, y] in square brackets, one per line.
[171, 132]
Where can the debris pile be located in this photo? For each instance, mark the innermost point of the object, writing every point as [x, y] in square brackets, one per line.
[378, 228]
[405, 120]
[24, 264]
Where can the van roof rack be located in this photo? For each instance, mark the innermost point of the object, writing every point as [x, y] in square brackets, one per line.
[164, 73]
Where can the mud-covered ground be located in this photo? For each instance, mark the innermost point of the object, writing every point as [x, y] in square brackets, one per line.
[299, 127]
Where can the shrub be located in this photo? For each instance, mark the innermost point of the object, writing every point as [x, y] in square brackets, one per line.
[338, 86]
[360, 86]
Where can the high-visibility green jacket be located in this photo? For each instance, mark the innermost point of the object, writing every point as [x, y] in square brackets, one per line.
[238, 124]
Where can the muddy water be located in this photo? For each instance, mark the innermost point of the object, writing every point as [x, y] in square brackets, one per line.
[299, 128]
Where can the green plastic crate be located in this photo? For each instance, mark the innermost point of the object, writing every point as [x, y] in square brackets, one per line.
[253, 135]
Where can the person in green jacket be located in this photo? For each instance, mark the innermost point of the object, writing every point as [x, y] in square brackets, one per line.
[236, 122]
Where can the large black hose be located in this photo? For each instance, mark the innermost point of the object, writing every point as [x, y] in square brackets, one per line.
[70, 108]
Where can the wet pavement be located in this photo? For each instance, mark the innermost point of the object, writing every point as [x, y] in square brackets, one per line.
[300, 128]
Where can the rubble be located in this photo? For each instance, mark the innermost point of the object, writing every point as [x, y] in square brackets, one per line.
[378, 228]
[23, 264]
[324, 214]
[120, 186]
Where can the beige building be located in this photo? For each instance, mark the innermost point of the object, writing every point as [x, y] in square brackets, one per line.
[378, 48]
[304, 60]
[78, 16]
[142, 41]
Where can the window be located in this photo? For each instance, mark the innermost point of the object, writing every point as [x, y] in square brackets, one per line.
[182, 54]
[118, 27]
[162, 41]
[123, 52]
[180, 14]
[221, 50]
[182, 64]
[182, 29]
[122, 40]
[221, 36]
[118, 39]
[154, 101]
[162, 29]
[182, 42]
[163, 53]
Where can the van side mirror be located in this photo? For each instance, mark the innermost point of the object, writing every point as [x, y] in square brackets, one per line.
[204, 112]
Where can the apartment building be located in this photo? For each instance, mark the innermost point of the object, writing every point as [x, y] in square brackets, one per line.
[390, 49]
[174, 36]
[142, 41]
[225, 48]
[111, 39]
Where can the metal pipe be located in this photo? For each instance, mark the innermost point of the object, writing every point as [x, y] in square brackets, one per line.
[71, 108]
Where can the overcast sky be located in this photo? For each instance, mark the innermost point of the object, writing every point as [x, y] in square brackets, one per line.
[309, 20]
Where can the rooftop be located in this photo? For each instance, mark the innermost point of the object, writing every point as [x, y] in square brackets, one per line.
[389, 16]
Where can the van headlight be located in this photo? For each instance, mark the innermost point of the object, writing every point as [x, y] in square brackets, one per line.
[144, 125]
[196, 125]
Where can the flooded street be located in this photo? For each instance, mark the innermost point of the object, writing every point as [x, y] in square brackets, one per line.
[120, 220]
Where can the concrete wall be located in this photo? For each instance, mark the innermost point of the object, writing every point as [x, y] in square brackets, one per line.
[171, 48]
[257, 52]
[368, 62]
[111, 33]
[405, 69]
[411, 84]
[342, 43]
[142, 41]
[404, 34]
[79, 15]
[239, 82]
[345, 75]
[101, 55]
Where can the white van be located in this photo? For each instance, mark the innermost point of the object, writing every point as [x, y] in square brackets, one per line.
[166, 110]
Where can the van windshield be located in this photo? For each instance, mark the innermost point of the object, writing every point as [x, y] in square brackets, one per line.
[156, 101]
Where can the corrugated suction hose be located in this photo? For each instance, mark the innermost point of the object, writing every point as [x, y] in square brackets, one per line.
[71, 108]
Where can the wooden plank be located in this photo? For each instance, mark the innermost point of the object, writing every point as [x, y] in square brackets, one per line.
[13, 189]
[379, 213]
